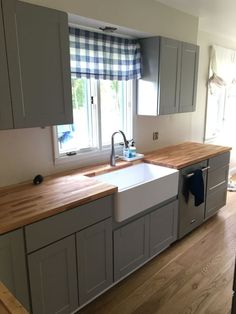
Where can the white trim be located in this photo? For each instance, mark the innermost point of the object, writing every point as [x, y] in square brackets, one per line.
[86, 158]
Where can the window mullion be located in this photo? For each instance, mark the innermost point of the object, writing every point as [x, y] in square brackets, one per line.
[99, 115]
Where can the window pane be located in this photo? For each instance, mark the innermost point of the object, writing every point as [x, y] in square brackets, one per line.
[113, 106]
[78, 135]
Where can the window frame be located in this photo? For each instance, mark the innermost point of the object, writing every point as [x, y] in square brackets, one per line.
[100, 153]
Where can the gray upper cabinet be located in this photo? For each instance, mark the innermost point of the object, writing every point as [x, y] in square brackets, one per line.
[6, 121]
[53, 282]
[169, 76]
[95, 262]
[37, 46]
[170, 54]
[13, 271]
[188, 83]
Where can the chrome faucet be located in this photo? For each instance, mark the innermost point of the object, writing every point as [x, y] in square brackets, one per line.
[126, 143]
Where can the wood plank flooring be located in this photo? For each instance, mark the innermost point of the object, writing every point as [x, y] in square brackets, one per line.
[194, 275]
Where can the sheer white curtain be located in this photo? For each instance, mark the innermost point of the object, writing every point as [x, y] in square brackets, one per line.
[221, 104]
[222, 66]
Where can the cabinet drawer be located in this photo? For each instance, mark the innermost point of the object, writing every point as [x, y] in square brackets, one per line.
[217, 178]
[219, 161]
[51, 229]
[215, 200]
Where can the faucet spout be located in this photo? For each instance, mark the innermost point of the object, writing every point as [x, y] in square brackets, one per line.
[126, 143]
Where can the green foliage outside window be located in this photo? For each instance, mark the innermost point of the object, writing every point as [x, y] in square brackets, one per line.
[78, 93]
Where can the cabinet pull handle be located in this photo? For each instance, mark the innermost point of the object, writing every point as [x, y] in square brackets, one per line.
[206, 168]
[193, 220]
[216, 186]
[192, 174]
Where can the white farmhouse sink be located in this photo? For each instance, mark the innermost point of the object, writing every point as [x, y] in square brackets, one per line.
[140, 187]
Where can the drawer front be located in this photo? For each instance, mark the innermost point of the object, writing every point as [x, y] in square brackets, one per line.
[219, 161]
[51, 229]
[217, 178]
[215, 200]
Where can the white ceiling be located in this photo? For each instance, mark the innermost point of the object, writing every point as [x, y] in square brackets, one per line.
[217, 16]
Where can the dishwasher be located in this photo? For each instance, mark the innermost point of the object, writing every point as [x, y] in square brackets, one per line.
[190, 216]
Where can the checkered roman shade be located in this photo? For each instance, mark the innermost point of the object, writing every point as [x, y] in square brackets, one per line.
[100, 56]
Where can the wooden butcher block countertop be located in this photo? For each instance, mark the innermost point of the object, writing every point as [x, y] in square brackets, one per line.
[8, 303]
[184, 154]
[27, 203]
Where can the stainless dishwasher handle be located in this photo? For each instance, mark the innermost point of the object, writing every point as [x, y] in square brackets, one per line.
[192, 174]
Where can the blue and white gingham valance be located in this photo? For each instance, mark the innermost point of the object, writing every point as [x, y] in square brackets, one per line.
[100, 56]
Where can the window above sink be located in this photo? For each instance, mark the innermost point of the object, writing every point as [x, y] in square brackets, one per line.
[103, 73]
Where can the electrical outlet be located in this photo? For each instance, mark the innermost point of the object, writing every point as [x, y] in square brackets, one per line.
[155, 136]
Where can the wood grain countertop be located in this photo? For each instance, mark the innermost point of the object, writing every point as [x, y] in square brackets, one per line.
[8, 303]
[184, 154]
[26, 203]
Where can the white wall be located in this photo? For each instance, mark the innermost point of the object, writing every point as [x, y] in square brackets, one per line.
[27, 152]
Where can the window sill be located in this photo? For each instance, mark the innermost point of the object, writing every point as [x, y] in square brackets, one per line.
[87, 158]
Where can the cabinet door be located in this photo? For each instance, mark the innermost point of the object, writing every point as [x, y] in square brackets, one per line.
[131, 246]
[170, 57]
[190, 216]
[189, 71]
[6, 121]
[163, 227]
[13, 265]
[148, 85]
[94, 255]
[37, 43]
[53, 279]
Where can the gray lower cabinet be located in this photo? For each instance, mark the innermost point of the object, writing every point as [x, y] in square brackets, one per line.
[143, 238]
[131, 246]
[94, 256]
[6, 121]
[163, 227]
[37, 49]
[190, 216]
[13, 271]
[169, 76]
[217, 181]
[53, 280]
[70, 257]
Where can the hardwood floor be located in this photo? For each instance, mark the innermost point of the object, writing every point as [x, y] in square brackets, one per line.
[194, 275]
